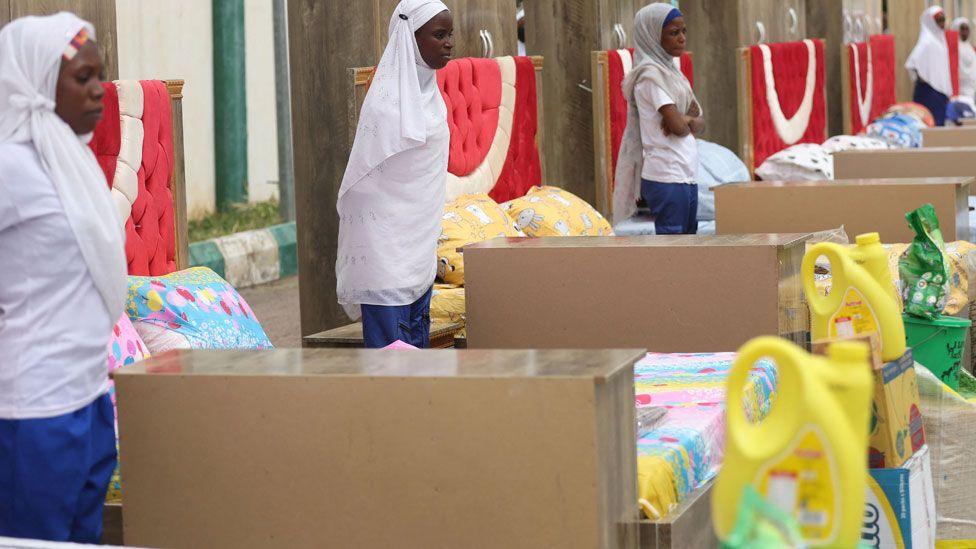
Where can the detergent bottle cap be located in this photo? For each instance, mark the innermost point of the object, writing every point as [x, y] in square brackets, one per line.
[868, 238]
[849, 351]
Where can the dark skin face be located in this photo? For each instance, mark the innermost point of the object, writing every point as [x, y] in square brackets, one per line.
[436, 40]
[674, 36]
[964, 33]
[78, 100]
[940, 20]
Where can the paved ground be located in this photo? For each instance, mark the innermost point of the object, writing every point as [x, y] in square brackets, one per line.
[276, 306]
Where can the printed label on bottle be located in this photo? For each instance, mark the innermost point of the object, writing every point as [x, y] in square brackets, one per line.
[854, 317]
[802, 482]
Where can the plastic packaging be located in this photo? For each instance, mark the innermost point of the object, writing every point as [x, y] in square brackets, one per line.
[922, 268]
[649, 418]
[808, 455]
[762, 526]
[857, 303]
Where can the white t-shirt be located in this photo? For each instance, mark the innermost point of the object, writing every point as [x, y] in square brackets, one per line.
[54, 327]
[667, 159]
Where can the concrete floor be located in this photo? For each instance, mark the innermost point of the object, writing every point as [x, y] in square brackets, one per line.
[276, 306]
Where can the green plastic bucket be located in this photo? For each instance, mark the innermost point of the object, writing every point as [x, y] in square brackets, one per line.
[938, 344]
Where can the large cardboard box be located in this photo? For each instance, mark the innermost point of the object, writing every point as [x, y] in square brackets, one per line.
[358, 448]
[860, 205]
[665, 293]
[900, 508]
[924, 162]
[949, 136]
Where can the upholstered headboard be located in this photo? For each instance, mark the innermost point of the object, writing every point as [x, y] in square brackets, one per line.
[139, 146]
[868, 78]
[610, 115]
[782, 98]
[494, 113]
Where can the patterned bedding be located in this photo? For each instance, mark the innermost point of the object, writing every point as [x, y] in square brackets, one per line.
[685, 449]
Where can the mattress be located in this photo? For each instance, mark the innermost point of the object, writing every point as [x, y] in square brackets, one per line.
[685, 449]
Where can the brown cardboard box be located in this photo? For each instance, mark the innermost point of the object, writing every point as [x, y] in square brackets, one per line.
[949, 136]
[925, 162]
[811, 206]
[358, 448]
[665, 293]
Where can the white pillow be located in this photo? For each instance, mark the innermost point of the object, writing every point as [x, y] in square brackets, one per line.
[803, 162]
[159, 339]
[839, 143]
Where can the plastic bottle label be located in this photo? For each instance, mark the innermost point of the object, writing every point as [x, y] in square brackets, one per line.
[853, 317]
[802, 482]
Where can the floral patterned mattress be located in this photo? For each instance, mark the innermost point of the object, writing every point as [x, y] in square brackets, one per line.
[685, 448]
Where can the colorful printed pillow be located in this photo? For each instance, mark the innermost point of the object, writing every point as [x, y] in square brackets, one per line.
[447, 304]
[468, 219]
[551, 211]
[898, 130]
[196, 304]
[915, 110]
[125, 347]
[802, 162]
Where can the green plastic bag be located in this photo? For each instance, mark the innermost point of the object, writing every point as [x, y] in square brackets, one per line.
[762, 525]
[923, 269]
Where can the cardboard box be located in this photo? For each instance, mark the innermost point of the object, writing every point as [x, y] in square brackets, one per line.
[899, 511]
[359, 448]
[896, 420]
[665, 293]
[896, 424]
[812, 206]
[949, 136]
[925, 162]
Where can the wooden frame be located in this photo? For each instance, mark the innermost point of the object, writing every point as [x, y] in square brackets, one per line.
[688, 525]
[602, 146]
[178, 181]
[845, 86]
[362, 77]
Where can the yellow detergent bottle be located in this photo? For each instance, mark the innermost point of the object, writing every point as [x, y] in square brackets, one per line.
[857, 303]
[808, 456]
[871, 255]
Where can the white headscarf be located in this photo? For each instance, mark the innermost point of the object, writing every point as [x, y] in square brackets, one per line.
[967, 62]
[30, 61]
[393, 191]
[929, 59]
[651, 63]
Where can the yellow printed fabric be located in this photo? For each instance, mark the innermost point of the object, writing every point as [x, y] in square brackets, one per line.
[447, 304]
[551, 211]
[468, 219]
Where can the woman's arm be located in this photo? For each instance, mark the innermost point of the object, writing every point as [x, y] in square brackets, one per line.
[673, 122]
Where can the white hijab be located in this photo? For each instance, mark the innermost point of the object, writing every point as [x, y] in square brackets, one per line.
[929, 59]
[651, 63]
[30, 61]
[393, 191]
[967, 61]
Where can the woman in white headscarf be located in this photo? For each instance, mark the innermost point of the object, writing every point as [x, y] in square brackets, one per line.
[928, 64]
[393, 192]
[658, 157]
[62, 284]
[967, 61]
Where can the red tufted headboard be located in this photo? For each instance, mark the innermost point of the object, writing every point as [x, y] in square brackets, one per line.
[139, 146]
[869, 95]
[761, 132]
[494, 113]
[610, 115]
[952, 41]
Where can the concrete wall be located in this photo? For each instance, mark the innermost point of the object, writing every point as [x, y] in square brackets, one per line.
[173, 40]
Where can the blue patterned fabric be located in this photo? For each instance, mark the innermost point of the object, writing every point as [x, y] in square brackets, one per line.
[898, 130]
[716, 165]
[199, 305]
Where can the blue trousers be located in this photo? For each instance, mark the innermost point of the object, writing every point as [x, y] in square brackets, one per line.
[54, 473]
[382, 324]
[933, 100]
[673, 205]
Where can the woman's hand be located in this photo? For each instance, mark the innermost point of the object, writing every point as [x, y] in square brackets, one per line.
[694, 110]
[695, 124]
